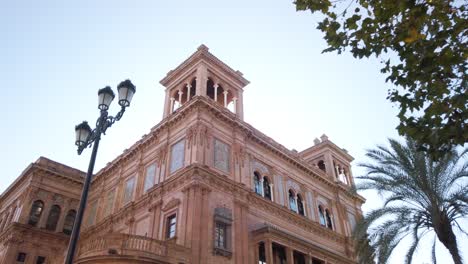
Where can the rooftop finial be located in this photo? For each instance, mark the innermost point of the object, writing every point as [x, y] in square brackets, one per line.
[324, 138]
[316, 141]
[203, 47]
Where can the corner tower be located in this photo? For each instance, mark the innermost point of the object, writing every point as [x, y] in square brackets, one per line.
[202, 74]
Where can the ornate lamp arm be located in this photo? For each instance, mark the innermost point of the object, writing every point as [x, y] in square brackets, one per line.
[102, 124]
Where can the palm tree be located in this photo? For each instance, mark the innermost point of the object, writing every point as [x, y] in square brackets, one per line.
[421, 196]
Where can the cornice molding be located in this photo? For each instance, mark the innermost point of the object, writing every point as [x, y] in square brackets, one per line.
[199, 103]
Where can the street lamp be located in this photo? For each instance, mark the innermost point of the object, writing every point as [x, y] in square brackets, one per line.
[85, 137]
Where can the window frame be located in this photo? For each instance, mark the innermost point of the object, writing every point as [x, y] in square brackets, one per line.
[91, 217]
[229, 155]
[20, 253]
[153, 182]
[127, 199]
[300, 204]
[71, 211]
[167, 233]
[266, 183]
[171, 157]
[51, 223]
[322, 218]
[109, 205]
[31, 213]
[292, 194]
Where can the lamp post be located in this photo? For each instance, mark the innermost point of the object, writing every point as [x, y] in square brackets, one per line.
[85, 137]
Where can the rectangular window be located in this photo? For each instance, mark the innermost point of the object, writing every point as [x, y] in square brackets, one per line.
[222, 155]
[171, 226]
[222, 232]
[92, 214]
[149, 178]
[40, 260]
[109, 202]
[220, 235]
[177, 156]
[21, 258]
[129, 188]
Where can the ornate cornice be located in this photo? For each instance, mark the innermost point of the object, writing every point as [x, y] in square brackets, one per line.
[202, 54]
[199, 103]
[269, 231]
[205, 179]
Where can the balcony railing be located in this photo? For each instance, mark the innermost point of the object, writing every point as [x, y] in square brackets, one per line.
[122, 244]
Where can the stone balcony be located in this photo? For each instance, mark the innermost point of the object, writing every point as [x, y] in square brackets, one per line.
[125, 248]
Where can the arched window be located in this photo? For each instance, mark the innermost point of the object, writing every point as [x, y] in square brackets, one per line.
[329, 220]
[193, 90]
[69, 221]
[258, 187]
[36, 212]
[300, 205]
[266, 188]
[53, 218]
[321, 165]
[321, 216]
[292, 201]
[210, 90]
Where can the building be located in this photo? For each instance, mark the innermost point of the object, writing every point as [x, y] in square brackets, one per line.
[203, 187]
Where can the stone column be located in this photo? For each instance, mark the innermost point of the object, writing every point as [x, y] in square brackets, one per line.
[167, 103]
[272, 192]
[216, 92]
[262, 192]
[225, 98]
[180, 93]
[297, 205]
[268, 251]
[235, 104]
[196, 218]
[189, 88]
[256, 255]
[239, 108]
[45, 213]
[201, 77]
[61, 221]
[172, 105]
[155, 216]
[289, 255]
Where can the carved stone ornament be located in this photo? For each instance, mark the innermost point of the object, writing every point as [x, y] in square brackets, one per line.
[239, 153]
[161, 155]
[57, 198]
[293, 185]
[198, 134]
[171, 204]
[260, 167]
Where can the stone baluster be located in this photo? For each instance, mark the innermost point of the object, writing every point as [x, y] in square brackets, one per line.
[225, 98]
[180, 97]
[269, 251]
[216, 92]
[272, 192]
[172, 104]
[262, 191]
[297, 205]
[235, 104]
[189, 89]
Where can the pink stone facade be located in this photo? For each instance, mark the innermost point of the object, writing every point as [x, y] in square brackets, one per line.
[202, 186]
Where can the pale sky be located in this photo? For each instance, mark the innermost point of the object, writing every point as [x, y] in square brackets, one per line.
[55, 55]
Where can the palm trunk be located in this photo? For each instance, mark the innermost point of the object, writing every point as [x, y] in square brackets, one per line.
[447, 237]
